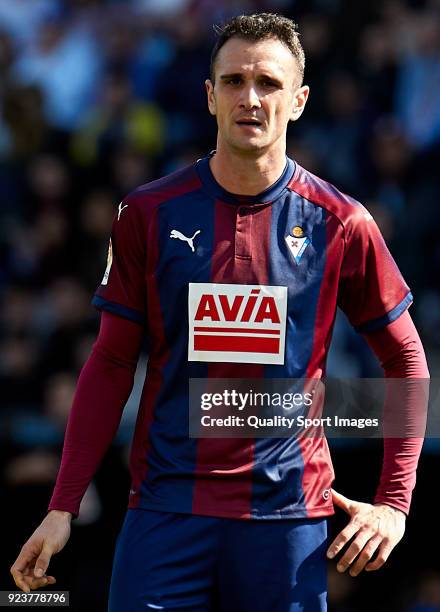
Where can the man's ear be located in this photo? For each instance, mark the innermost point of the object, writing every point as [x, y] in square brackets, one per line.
[210, 94]
[299, 102]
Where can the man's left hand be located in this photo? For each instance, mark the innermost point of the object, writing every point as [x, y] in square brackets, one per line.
[374, 528]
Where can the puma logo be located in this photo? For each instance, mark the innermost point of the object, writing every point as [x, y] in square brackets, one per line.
[120, 209]
[180, 236]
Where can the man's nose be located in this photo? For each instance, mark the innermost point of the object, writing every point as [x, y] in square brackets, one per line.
[250, 98]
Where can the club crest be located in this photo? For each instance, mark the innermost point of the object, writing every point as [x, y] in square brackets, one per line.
[297, 243]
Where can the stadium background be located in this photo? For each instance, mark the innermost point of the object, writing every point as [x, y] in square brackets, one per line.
[100, 96]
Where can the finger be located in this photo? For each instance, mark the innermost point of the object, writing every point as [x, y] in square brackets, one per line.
[29, 570]
[28, 582]
[25, 557]
[49, 580]
[383, 554]
[21, 567]
[354, 550]
[341, 501]
[21, 584]
[42, 563]
[342, 538]
[365, 555]
[36, 583]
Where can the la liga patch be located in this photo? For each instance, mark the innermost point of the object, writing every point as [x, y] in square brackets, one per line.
[109, 264]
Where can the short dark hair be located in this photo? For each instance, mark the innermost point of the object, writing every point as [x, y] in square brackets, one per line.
[260, 26]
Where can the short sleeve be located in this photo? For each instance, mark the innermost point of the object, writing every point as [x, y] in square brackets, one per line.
[372, 291]
[123, 287]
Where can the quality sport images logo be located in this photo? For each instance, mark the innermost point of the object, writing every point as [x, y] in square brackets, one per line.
[237, 323]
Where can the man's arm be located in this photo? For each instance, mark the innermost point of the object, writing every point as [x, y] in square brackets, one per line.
[103, 388]
[378, 528]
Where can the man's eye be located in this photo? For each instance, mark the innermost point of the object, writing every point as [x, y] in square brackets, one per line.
[234, 81]
[268, 83]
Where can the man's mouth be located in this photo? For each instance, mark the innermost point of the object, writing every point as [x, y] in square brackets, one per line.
[250, 122]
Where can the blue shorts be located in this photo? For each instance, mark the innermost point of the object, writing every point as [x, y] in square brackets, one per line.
[177, 562]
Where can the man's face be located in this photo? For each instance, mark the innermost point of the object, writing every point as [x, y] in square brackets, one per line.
[256, 93]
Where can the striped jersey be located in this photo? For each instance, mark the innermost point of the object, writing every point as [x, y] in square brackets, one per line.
[231, 286]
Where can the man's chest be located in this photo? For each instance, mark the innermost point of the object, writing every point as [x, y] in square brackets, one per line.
[236, 282]
[286, 243]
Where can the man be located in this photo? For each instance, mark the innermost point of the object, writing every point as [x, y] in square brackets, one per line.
[234, 524]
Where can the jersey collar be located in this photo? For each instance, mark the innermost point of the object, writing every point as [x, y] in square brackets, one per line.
[268, 195]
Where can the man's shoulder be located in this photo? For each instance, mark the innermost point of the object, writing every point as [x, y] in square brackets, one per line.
[324, 194]
[168, 187]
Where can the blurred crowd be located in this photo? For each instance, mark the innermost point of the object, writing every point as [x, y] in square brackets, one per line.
[100, 96]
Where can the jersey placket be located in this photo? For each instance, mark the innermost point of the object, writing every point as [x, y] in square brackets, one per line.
[243, 233]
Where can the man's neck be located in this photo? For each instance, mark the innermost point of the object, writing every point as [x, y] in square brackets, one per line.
[246, 175]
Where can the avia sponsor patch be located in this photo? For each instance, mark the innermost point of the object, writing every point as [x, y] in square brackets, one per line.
[237, 323]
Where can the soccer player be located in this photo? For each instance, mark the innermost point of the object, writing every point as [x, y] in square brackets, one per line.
[243, 240]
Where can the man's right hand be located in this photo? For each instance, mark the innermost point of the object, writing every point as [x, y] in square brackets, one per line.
[29, 569]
